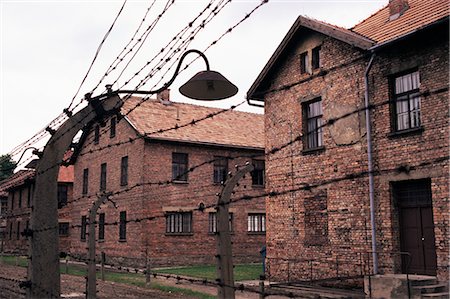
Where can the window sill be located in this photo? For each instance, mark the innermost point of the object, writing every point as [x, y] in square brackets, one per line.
[63, 236]
[407, 132]
[180, 182]
[312, 151]
[178, 234]
[101, 241]
[122, 240]
[256, 233]
[213, 234]
[258, 186]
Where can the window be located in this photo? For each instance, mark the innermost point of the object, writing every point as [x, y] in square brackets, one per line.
[179, 167]
[63, 229]
[4, 205]
[112, 127]
[62, 195]
[103, 177]
[179, 223]
[312, 112]
[315, 63]
[101, 226]
[212, 222]
[10, 230]
[123, 226]
[30, 195]
[124, 171]
[304, 64]
[316, 219]
[220, 169]
[85, 180]
[18, 230]
[96, 134]
[258, 173]
[257, 222]
[20, 198]
[83, 228]
[406, 104]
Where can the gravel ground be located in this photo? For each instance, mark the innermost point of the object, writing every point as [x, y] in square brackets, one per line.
[74, 286]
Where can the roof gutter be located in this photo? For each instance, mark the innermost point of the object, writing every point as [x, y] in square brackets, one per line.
[370, 164]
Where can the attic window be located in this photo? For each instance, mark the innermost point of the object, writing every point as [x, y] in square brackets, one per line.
[316, 58]
[304, 63]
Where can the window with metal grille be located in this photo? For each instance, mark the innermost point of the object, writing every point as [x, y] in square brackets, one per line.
[96, 134]
[112, 127]
[123, 226]
[312, 112]
[406, 102]
[103, 177]
[85, 181]
[220, 169]
[258, 173]
[315, 58]
[124, 171]
[179, 167]
[83, 228]
[62, 195]
[256, 222]
[101, 226]
[304, 63]
[179, 223]
[63, 229]
[212, 222]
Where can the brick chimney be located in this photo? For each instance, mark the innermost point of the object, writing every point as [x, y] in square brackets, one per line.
[397, 8]
[164, 96]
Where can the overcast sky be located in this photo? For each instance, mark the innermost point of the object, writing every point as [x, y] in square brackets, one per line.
[47, 47]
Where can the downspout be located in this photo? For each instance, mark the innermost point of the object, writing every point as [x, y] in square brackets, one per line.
[370, 165]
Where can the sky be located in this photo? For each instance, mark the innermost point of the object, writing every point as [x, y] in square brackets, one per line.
[46, 48]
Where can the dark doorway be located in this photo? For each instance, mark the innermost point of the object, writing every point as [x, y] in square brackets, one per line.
[416, 225]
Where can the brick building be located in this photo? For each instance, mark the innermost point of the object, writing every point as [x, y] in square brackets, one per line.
[18, 190]
[314, 91]
[157, 172]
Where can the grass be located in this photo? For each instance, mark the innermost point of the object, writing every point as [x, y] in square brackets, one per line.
[136, 279]
[241, 272]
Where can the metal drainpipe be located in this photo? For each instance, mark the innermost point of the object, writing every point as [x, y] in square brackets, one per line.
[370, 162]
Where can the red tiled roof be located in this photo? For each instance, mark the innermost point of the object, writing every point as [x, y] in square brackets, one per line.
[16, 179]
[420, 13]
[231, 128]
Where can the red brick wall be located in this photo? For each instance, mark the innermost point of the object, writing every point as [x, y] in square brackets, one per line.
[341, 87]
[152, 162]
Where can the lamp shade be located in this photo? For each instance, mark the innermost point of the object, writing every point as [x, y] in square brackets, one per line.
[208, 86]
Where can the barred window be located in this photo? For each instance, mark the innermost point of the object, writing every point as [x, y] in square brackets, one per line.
[220, 169]
[123, 226]
[312, 112]
[212, 222]
[256, 222]
[179, 167]
[179, 223]
[406, 103]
